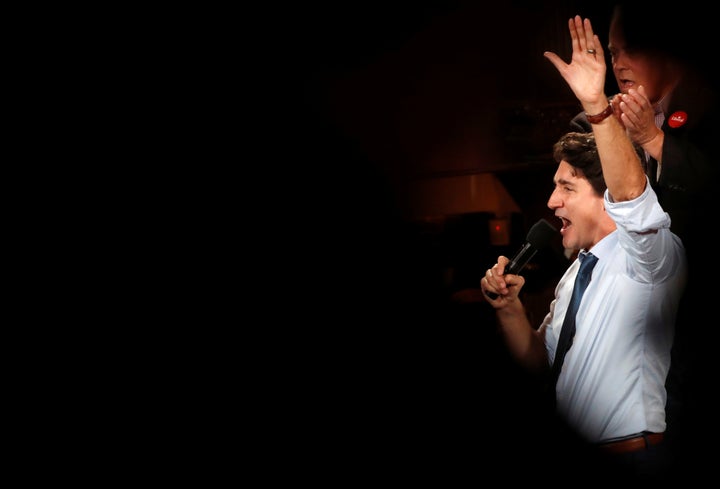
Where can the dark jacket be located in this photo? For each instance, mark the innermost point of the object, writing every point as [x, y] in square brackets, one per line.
[688, 186]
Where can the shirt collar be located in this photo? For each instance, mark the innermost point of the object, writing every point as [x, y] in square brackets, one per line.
[604, 247]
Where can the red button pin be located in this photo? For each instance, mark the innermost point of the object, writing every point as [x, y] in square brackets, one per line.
[677, 119]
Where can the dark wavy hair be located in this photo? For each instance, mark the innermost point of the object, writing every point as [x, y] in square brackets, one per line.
[580, 151]
[667, 32]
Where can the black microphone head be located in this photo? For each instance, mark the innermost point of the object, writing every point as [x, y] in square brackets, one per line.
[541, 234]
[538, 237]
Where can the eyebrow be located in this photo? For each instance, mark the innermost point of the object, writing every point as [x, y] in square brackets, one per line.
[563, 181]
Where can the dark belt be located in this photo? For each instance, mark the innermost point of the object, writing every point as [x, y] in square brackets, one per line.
[635, 444]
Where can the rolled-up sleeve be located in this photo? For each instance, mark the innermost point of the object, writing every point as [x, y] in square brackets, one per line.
[644, 232]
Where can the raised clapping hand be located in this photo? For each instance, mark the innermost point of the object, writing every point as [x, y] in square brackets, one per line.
[637, 115]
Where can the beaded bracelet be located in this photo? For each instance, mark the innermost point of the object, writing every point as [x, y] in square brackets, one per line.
[598, 118]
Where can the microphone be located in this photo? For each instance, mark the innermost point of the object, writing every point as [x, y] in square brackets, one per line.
[538, 237]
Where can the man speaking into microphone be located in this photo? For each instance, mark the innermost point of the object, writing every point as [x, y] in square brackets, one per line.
[603, 347]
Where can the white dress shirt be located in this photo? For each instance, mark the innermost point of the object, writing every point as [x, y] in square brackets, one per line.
[612, 382]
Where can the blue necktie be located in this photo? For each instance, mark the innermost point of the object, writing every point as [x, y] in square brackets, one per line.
[587, 262]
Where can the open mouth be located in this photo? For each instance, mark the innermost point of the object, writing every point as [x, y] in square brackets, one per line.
[565, 224]
[625, 84]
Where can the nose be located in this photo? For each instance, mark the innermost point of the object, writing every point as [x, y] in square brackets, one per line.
[554, 201]
[618, 60]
